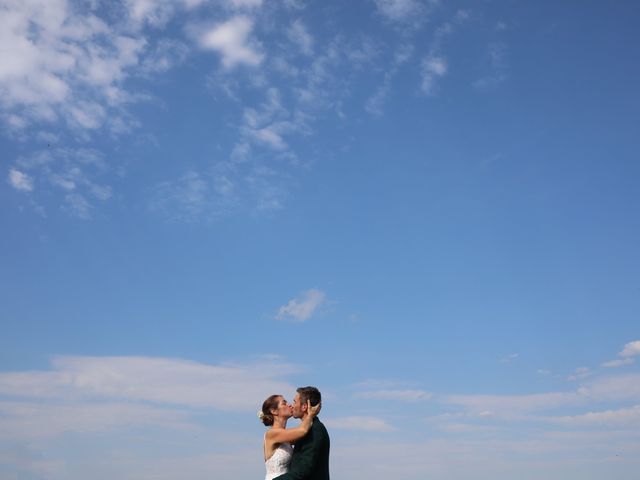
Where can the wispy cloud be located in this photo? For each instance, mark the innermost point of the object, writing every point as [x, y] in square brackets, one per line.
[405, 12]
[76, 176]
[503, 404]
[263, 161]
[630, 350]
[401, 395]
[435, 65]
[580, 373]
[509, 358]
[302, 308]
[496, 66]
[603, 389]
[300, 37]
[375, 104]
[165, 55]
[619, 362]
[70, 75]
[433, 68]
[359, 423]
[238, 184]
[620, 418]
[186, 199]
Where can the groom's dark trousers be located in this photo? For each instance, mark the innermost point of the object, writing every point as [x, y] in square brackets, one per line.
[310, 459]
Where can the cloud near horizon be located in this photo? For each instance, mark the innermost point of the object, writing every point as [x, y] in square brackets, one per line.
[159, 381]
[161, 398]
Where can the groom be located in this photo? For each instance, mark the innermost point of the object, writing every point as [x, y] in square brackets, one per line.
[310, 459]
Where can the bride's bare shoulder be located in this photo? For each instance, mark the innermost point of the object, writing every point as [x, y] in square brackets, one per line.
[274, 431]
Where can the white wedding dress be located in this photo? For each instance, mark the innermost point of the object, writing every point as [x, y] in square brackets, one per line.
[279, 462]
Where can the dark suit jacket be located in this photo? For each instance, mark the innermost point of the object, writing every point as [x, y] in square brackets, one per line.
[310, 459]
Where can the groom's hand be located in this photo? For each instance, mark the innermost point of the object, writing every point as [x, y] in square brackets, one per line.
[313, 411]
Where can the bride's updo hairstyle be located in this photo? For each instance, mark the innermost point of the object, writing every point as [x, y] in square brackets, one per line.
[269, 404]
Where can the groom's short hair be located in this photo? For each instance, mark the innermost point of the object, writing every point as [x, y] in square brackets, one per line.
[309, 393]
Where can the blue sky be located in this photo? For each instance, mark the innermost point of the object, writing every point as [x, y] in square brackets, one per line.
[428, 209]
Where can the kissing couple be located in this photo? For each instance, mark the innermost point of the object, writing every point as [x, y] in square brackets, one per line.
[299, 453]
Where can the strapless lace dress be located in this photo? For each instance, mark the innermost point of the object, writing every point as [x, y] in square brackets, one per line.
[279, 461]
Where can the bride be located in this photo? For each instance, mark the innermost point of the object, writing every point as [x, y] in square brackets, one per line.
[278, 439]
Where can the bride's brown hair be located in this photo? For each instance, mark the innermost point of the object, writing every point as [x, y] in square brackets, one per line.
[269, 404]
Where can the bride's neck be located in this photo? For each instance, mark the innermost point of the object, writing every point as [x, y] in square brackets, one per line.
[280, 423]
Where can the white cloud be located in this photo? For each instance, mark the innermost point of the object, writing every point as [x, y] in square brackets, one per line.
[231, 40]
[403, 395]
[55, 57]
[631, 349]
[359, 423]
[270, 136]
[20, 180]
[302, 308]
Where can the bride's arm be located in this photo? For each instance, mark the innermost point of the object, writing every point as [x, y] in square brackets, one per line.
[290, 435]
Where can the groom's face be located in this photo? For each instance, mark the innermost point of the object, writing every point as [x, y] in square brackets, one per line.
[298, 409]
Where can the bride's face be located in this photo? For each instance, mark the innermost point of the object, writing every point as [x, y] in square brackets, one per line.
[284, 409]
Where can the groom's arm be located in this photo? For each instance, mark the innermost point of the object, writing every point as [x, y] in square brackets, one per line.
[305, 457]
